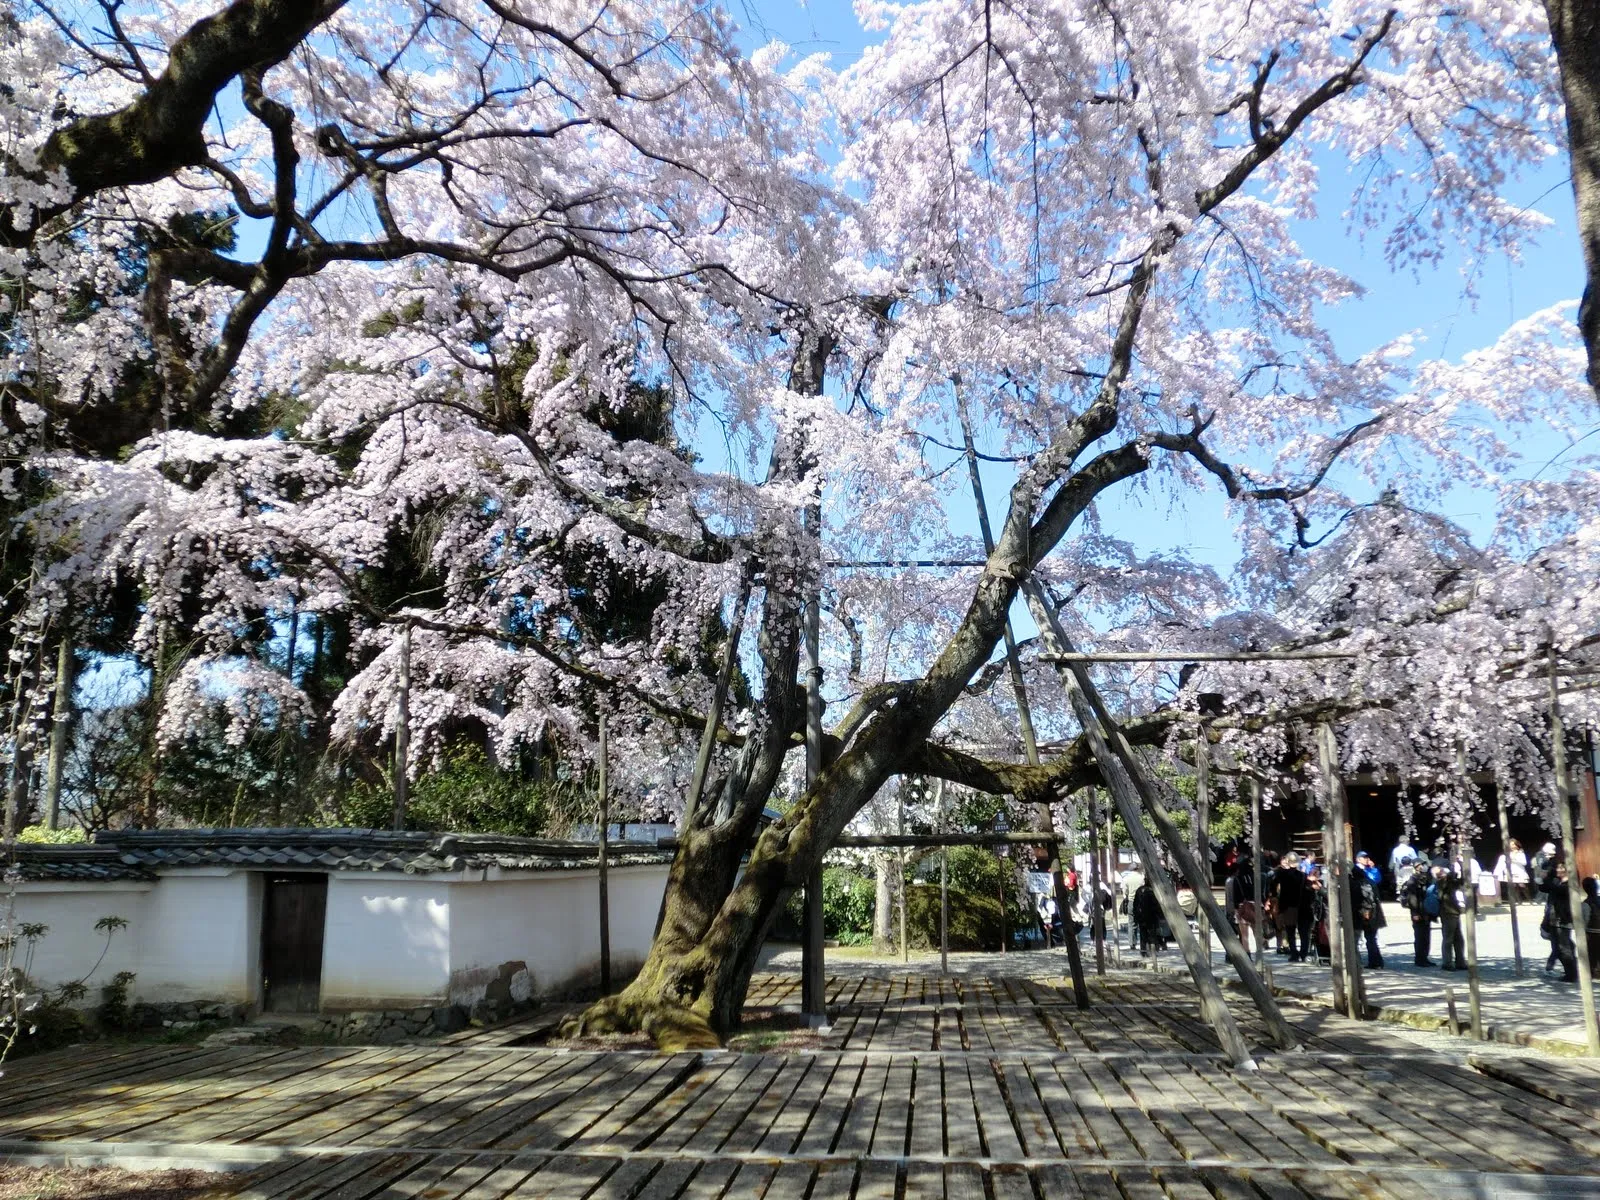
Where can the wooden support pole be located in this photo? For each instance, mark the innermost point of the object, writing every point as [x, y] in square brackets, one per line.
[1257, 884]
[1097, 915]
[1202, 827]
[708, 735]
[1122, 780]
[1343, 948]
[944, 886]
[60, 727]
[1129, 788]
[1116, 887]
[605, 895]
[1030, 743]
[1565, 803]
[813, 976]
[1465, 857]
[905, 941]
[402, 730]
[1511, 884]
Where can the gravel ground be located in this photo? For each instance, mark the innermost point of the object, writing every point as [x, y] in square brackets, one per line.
[105, 1183]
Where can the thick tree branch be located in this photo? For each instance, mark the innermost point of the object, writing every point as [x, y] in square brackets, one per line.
[162, 131]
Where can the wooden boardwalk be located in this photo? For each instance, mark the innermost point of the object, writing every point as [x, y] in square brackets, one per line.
[989, 1089]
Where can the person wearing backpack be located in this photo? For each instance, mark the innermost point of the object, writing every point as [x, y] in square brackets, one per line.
[1412, 896]
[1557, 924]
[1445, 898]
[1368, 910]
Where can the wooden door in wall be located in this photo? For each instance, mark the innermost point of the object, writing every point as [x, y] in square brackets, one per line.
[292, 916]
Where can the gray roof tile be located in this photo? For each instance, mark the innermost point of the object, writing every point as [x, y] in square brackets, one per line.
[137, 854]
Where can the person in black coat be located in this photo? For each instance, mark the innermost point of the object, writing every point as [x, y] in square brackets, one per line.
[1557, 923]
[1591, 921]
[1147, 916]
[1412, 892]
[1452, 907]
[1290, 891]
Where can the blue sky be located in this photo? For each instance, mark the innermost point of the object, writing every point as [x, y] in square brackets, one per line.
[1431, 303]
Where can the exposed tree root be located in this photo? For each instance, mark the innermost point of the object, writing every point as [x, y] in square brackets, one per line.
[673, 1026]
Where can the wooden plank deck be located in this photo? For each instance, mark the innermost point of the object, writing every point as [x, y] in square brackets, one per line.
[998, 1089]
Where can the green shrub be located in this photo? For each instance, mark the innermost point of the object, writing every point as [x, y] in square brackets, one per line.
[848, 898]
[974, 918]
[38, 835]
[114, 1013]
[466, 792]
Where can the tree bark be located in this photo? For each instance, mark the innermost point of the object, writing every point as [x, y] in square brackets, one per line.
[1575, 29]
[163, 129]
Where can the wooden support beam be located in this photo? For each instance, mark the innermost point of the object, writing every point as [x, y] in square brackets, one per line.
[1097, 916]
[1121, 776]
[1348, 992]
[1566, 801]
[605, 895]
[402, 730]
[1030, 744]
[1511, 885]
[813, 976]
[1106, 739]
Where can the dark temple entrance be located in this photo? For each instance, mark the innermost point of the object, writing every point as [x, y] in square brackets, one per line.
[292, 915]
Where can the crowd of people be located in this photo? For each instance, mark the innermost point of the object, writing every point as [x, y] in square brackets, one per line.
[1433, 891]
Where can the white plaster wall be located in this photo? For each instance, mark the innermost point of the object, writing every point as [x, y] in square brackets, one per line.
[387, 941]
[70, 948]
[550, 921]
[201, 938]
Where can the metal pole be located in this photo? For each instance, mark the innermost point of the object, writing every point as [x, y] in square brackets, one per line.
[1511, 885]
[60, 724]
[402, 730]
[1565, 802]
[944, 887]
[813, 978]
[1097, 916]
[605, 895]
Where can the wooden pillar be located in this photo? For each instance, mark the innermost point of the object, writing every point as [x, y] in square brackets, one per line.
[1511, 887]
[1116, 886]
[1565, 803]
[1258, 884]
[905, 941]
[1465, 856]
[813, 976]
[1202, 827]
[1348, 992]
[1097, 916]
[1124, 780]
[605, 896]
[708, 734]
[1080, 687]
[1030, 746]
[60, 727]
[944, 885]
[402, 730]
